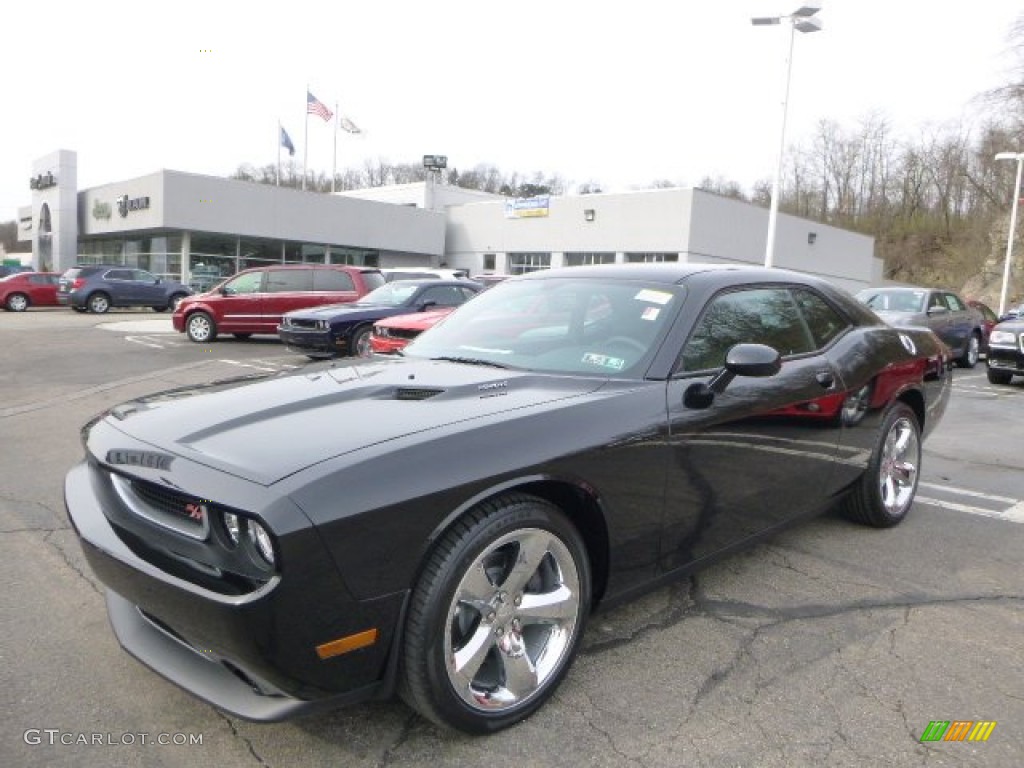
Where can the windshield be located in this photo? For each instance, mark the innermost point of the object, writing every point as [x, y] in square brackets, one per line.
[894, 301]
[390, 294]
[557, 325]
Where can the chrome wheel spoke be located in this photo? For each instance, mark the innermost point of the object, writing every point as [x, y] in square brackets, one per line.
[533, 547]
[476, 589]
[520, 673]
[561, 604]
[466, 662]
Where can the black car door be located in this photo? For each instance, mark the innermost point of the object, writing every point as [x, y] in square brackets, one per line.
[762, 451]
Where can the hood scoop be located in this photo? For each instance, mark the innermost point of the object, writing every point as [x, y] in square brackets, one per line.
[416, 393]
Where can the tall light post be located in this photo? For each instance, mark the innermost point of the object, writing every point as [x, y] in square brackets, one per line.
[1019, 157]
[800, 20]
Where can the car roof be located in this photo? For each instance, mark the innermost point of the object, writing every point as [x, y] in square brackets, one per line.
[668, 272]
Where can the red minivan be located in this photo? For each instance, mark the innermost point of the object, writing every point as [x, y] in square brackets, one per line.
[254, 300]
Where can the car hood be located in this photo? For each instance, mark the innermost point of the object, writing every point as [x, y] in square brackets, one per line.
[267, 430]
[418, 320]
[327, 311]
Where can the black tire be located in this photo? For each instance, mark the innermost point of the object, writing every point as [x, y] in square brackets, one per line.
[359, 343]
[886, 492]
[16, 302]
[242, 336]
[971, 352]
[175, 300]
[80, 309]
[999, 377]
[525, 625]
[98, 303]
[200, 328]
[159, 309]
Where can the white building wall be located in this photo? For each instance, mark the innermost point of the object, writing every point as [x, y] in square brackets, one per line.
[734, 231]
[62, 202]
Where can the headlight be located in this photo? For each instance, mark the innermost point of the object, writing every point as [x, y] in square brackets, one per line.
[383, 332]
[1003, 337]
[232, 526]
[259, 536]
[321, 325]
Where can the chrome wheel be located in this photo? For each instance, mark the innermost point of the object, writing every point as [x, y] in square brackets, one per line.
[200, 328]
[99, 303]
[17, 302]
[513, 618]
[900, 460]
[361, 343]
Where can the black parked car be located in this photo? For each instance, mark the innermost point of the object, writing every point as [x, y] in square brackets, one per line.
[1006, 351]
[443, 524]
[344, 329]
[97, 288]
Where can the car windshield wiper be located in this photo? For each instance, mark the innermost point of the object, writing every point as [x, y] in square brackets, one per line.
[470, 361]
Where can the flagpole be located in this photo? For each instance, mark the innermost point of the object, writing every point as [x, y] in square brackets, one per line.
[305, 142]
[279, 153]
[334, 168]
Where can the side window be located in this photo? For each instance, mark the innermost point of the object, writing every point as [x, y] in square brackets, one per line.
[824, 322]
[289, 280]
[954, 303]
[250, 282]
[143, 276]
[935, 300]
[332, 280]
[466, 293]
[442, 296]
[751, 316]
[118, 274]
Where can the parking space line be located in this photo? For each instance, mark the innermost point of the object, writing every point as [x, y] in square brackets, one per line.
[249, 365]
[1014, 514]
[965, 492]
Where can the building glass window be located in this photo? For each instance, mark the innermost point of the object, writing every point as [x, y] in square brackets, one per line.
[638, 258]
[581, 258]
[521, 263]
[489, 261]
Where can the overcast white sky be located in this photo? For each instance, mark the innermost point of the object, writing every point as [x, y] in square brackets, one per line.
[617, 92]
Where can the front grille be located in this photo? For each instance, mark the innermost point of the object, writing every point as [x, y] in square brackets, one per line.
[404, 333]
[167, 507]
[302, 323]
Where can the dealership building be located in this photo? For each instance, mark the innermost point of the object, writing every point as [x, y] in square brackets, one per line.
[173, 223]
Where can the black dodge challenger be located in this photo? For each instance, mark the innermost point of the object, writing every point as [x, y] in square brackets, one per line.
[442, 525]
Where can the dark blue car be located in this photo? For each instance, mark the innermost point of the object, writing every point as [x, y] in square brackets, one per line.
[97, 288]
[344, 329]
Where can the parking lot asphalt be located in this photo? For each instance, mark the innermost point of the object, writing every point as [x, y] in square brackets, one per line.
[829, 644]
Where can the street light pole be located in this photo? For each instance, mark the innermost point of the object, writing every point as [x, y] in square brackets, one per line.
[799, 20]
[1019, 157]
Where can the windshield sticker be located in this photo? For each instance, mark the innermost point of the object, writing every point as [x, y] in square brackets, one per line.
[654, 297]
[604, 361]
[650, 313]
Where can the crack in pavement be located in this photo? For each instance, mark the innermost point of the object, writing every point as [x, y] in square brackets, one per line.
[243, 739]
[403, 736]
[48, 539]
[639, 760]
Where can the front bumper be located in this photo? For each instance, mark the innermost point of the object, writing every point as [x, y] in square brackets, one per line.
[310, 342]
[1010, 359]
[386, 345]
[252, 654]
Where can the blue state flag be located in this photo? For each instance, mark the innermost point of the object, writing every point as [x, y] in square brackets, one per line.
[286, 142]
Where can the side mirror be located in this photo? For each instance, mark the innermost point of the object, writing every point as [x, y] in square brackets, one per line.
[937, 311]
[750, 360]
[427, 305]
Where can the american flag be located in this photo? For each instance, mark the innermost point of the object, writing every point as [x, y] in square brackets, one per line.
[316, 107]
